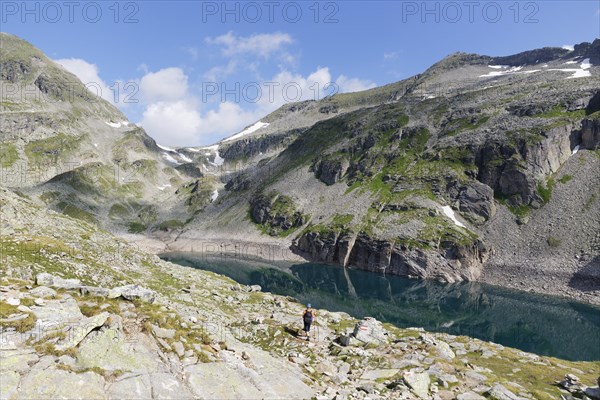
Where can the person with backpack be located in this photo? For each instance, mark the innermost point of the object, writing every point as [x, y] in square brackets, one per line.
[308, 317]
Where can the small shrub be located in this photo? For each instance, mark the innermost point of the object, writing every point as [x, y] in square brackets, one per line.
[553, 242]
[565, 179]
[545, 191]
[21, 325]
[136, 227]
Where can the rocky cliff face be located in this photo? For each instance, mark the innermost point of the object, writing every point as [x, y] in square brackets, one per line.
[276, 213]
[451, 264]
[590, 134]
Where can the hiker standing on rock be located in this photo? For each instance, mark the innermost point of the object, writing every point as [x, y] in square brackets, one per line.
[308, 317]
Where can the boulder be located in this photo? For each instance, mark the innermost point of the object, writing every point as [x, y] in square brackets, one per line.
[131, 292]
[179, 349]
[375, 374]
[46, 279]
[56, 314]
[80, 330]
[95, 291]
[13, 301]
[499, 392]
[418, 382]
[42, 291]
[443, 349]
[163, 333]
[369, 330]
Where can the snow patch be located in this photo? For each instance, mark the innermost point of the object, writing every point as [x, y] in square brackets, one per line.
[192, 149]
[208, 151]
[215, 195]
[170, 159]
[165, 147]
[585, 64]
[184, 157]
[568, 47]
[575, 149]
[163, 187]
[447, 324]
[580, 73]
[450, 214]
[509, 71]
[116, 124]
[248, 131]
[218, 159]
[95, 144]
[498, 66]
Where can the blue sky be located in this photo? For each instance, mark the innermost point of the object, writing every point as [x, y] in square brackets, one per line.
[192, 72]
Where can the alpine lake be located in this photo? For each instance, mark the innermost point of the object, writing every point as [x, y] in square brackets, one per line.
[540, 324]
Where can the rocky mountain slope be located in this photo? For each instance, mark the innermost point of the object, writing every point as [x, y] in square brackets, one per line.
[86, 315]
[479, 168]
[78, 153]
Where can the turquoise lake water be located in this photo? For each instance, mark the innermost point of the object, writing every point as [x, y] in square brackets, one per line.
[535, 323]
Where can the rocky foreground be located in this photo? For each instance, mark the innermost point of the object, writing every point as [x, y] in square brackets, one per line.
[86, 315]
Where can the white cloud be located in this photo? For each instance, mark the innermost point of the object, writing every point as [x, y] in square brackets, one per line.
[182, 122]
[174, 116]
[568, 47]
[88, 74]
[172, 123]
[219, 72]
[389, 56]
[227, 119]
[165, 85]
[263, 44]
[289, 87]
[346, 84]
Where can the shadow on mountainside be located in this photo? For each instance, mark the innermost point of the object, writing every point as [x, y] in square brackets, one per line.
[587, 279]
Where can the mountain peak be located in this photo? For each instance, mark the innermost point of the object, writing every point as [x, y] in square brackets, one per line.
[547, 54]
